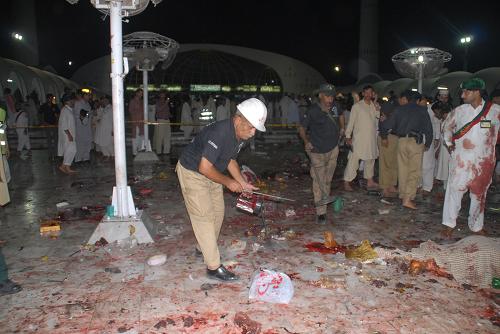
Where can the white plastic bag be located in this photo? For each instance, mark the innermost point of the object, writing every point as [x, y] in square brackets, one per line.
[272, 287]
[248, 175]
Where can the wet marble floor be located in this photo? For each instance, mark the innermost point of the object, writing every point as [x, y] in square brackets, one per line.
[72, 288]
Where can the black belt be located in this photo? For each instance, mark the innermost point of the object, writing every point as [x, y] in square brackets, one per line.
[410, 135]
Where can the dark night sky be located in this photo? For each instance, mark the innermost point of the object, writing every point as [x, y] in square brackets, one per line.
[320, 33]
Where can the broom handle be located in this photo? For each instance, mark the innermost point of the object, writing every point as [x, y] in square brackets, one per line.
[277, 197]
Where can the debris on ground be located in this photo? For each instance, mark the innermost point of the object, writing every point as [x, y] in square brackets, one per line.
[237, 246]
[329, 239]
[207, 286]
[378, 283]
[50, 228]
[145, 191]
[162, 176]
[320, 247]
[256, 246]
[473, 260]
[78, 184]
[247, 325]
[290, 213]
[157, 260]
[101, 242]
[362, 253]
[418, 267]
[383, 211]
[112, 270]
[329, 282]
[272, 287]
[62, 204]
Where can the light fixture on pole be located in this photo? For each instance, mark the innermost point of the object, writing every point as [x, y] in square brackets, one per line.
[126, 221]
[146, 49]
[420, 63]
[465, 41]
[336, 68]
[17, 36]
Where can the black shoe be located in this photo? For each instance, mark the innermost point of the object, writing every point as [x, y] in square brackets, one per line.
[222, 274]
[8, 287]
[321, 219]
[198, 252]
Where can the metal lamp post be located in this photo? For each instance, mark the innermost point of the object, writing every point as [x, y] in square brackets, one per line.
[124, 219]
[146, 49]
[465, 42]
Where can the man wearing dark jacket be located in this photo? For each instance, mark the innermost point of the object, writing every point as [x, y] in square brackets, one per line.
[411, 123]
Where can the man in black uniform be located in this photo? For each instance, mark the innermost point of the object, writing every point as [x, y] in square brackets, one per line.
[200, 172]
[410, 122]
[319, 129]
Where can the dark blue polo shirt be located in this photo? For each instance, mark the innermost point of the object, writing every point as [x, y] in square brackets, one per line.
[322, 128]
[216, 142]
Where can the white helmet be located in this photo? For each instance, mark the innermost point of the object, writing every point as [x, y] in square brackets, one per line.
[255, 112]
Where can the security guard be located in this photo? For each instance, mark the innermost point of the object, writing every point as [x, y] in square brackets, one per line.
[411, 123]
[200, 171]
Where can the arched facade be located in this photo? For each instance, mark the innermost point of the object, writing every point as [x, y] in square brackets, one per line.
[25, 79]
[295, 76]
[451, 81]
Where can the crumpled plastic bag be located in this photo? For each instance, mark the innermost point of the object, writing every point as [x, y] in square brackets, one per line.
[362, 253]
[248, 175]
[272, 287]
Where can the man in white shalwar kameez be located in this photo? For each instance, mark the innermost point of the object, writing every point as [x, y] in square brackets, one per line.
[222, 112]
[104, 130]
[66, 135]
[442, 111]
[186, 117]
[470, 134]
[361, 135]
[23, 138]
[95, 125]
[429, 158]
[83, 125]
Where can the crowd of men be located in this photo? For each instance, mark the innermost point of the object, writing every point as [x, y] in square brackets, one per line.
[399, 131]
[417, 141]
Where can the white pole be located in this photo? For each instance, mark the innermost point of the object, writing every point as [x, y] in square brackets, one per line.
[147, 145]
[122, 198]
[420, 77]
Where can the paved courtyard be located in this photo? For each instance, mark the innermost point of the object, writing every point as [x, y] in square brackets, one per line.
[69, 287]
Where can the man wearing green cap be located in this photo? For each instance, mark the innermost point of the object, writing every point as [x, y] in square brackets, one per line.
[470, 134]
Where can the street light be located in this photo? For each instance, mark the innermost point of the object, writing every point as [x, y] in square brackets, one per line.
[336, 68]
[17, 36]
[70, 63]
[465, 41]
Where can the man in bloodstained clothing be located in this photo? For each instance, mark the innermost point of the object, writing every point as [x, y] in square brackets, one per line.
[470, 134]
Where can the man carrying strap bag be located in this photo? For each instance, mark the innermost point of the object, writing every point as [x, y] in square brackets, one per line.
[470, 134]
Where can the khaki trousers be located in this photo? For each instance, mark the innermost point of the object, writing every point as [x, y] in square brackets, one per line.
[205, 205]
[322, 169]
[162, 136]
[409, 167]
[388, 162]
[351, 170]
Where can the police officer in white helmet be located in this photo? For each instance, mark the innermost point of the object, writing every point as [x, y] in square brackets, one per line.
[200, 171]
